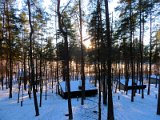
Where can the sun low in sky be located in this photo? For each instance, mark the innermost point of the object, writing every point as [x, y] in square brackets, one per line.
[87, 44]
[48, 3]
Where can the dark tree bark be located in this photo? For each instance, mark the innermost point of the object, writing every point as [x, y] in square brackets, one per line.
[104, 84]
[98, 59]
[40, 76]
[110, 115]
[66, 57]
[82, 57]
[119, 76]
[30, 84]
[141, 47]
[158, 102]
[36, 79]
[57, 60]
[1, 40]
[77, 72]
[67, 78]
[46, 80]
[25, 76]
[150, 52]
[10, 50]
[95, 71]
[19, 84]
[31, 61]
[7, 72]
[102, 59]
[131, 52]
[52, 75]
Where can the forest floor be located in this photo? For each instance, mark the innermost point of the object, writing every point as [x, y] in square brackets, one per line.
[55, 108]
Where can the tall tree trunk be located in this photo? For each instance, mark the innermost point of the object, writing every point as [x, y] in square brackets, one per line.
[10, 50]
[150, 52]
[158, 102]
[141, 47]
[30, 84]
[7, 72]
[98, 59]
[131, 52]
[157, 64]
[2, 76]
[110, 115]
[41, 81]
[77, 73]
[31, 61]
[52, 75]
[57, 60]
[104, 84]
[66, 61]
[36, 74]
[19, 84]
[25, 78]
[1, 40]
[82, 57]
[46, 80]
[102, 59]
[67, 77]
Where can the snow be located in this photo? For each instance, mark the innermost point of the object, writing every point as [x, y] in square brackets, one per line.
[154, 76]
[123, 80]
[55, 107]
[140, 109]
[76, 84]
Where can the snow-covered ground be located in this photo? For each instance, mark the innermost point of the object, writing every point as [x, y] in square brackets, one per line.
[75, 85]
[154, 76]
[55, 108]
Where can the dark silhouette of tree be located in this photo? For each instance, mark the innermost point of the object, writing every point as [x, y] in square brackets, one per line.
[64, 31]
[31, 60]
[156, 58]
[150, 50]
[82, 56]
[98, 57]
[110, 115]
[10, 48]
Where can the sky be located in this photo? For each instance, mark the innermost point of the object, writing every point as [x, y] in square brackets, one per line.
[112, 5]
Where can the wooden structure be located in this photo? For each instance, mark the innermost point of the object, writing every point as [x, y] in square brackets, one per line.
[154, 79]
[76, 91]
[130, 87]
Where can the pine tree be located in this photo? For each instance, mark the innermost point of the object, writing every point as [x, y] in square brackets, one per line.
[110, 115]
[31, 59]
[82, 57]
[63, 29]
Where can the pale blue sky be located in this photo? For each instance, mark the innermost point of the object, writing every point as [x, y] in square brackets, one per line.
[112, 5]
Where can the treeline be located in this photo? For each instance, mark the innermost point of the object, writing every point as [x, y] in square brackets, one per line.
[130, 57]
[43, 45]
